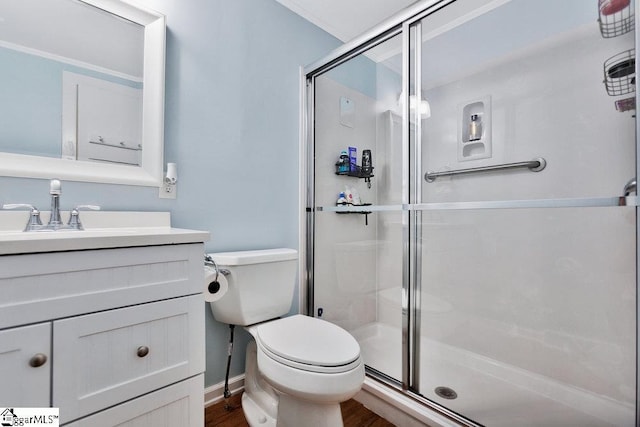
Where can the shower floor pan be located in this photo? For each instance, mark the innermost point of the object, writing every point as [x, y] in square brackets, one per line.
[488, 391]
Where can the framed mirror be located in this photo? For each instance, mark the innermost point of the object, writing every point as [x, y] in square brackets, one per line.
[82, 91]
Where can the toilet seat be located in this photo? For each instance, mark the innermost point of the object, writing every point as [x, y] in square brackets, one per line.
[308, 344]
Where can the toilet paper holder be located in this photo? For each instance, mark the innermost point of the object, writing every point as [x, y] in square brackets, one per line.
[209, 262]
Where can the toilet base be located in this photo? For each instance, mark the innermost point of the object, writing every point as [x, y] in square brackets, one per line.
[263, 406]
[259, 400]
[292, 411]
[254, 414]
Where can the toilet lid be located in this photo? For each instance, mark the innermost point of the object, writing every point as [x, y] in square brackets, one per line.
[308, 341]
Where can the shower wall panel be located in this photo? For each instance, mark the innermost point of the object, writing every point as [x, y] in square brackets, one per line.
[547, 101]
[544, 299]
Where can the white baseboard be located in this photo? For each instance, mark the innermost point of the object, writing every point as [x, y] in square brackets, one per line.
[215, 393]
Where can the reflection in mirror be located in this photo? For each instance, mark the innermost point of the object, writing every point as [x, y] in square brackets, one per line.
[83, 84]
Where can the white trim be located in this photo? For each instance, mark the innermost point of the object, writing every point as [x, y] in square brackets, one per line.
[126, 9]
[316, 20]
[215, 393]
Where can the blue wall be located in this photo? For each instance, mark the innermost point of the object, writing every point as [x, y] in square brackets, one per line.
[231, 125]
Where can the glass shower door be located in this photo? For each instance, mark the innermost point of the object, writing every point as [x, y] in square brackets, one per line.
[525, 254]
[490, 267]
[357, 194]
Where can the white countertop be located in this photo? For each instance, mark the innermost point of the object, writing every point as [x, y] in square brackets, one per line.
[102, 230]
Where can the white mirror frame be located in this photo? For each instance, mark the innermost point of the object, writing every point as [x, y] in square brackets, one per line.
[150, 173]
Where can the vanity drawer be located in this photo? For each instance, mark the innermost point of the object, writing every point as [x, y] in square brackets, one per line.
[180, 405]
[40, 287]
[25, 366]
[105, 358]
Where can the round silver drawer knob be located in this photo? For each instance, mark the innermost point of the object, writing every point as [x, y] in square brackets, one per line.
[143, 351]
[38, 360]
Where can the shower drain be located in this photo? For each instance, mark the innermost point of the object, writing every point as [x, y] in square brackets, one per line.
[446, 392]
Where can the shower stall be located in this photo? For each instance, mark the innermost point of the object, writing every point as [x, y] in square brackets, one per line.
[470, 208]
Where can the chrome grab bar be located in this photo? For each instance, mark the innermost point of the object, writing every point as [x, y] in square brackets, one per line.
[535, 165]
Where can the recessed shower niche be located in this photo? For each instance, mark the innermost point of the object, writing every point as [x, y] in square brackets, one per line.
[474, 130]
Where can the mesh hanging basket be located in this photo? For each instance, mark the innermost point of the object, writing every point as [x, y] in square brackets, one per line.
[620, 73]
[616, 17]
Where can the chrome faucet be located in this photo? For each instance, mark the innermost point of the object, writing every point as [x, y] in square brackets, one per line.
[55, 189]
[55, 220]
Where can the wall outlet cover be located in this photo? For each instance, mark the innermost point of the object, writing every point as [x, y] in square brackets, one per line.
[168, 191]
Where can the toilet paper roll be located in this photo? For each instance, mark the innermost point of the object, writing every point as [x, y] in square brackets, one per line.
[214, 289]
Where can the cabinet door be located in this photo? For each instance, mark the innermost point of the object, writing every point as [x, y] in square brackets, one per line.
[180, 404]
[25, 366]
[106, 358]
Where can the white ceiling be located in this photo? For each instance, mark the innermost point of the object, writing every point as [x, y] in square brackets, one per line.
[345, 19]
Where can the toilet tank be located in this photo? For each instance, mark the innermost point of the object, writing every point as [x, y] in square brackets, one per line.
[260, 285]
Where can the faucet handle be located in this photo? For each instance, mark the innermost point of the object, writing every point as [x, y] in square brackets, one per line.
[86, 207]
[74, 217]
[34, 216]
[19, 205]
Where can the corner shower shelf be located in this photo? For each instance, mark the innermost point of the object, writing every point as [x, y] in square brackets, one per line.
[357, 173]
[355, 206]
[365, 213]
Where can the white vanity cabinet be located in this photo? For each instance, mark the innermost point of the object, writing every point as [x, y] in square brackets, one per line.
[116, 335]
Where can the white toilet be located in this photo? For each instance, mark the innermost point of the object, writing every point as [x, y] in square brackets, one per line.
[299, 368]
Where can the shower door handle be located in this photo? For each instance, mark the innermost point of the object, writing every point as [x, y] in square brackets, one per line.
[631, 187]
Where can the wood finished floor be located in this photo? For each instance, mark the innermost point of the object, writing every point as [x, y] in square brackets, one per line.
[229, 414]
